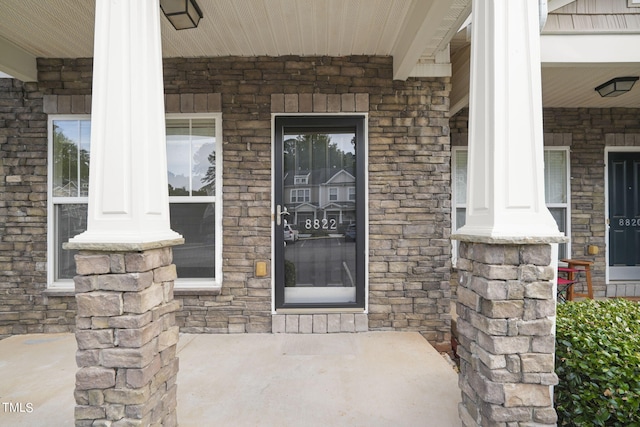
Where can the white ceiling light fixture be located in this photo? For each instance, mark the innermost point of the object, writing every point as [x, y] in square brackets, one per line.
[183, 14]
[617, 86]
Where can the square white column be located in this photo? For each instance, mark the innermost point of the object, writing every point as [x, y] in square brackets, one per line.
[128, 193]
[505, 197]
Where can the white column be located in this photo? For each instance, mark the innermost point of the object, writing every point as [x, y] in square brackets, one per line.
[128, 195]
[505, 197]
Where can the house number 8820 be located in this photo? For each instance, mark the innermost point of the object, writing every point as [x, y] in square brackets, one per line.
[634, 222]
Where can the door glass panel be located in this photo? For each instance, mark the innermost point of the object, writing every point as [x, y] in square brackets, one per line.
[319, 182]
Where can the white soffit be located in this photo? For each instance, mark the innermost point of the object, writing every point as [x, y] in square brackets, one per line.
[589, 48]
[427, 31]
[413, 31]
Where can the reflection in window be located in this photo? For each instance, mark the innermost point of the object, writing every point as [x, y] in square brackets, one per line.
[191, 162]
[71, 158]
[191, 157]
[70, 220]
[556, 172]
[319, 174]
[300, 195]
[196, 223]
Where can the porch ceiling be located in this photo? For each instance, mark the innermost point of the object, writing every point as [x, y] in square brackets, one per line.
[583, 44]
[412, 31]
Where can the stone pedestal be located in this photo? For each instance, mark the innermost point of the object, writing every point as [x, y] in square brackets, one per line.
[127, 338]
[506, 310]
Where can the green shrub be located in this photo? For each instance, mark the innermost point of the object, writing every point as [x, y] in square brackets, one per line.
[598, 363]
[289, 273]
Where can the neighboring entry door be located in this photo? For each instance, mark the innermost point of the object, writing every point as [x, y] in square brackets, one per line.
[624, 216]
[319, 225]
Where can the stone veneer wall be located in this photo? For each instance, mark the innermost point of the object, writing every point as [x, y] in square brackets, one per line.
[587, 132]
[127, 338]
[23, 217]
[506, 310]
[409, 182]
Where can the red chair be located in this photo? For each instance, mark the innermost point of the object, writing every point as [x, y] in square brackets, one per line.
[565, 284]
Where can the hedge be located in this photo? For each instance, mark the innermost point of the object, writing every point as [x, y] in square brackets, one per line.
[598, 363]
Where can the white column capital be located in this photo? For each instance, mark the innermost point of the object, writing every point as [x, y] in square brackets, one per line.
[505, 191]
[128, 193]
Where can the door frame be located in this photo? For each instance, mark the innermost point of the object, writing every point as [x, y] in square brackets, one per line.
[607, 150]
[364, 152]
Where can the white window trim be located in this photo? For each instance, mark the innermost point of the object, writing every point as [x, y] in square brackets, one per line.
[296, 191]
[206, 283]
[337, 192]
[195, 283]
[455, 204]
[351, 191]
[301, 179]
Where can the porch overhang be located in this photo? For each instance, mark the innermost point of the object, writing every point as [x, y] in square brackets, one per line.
[415, 32]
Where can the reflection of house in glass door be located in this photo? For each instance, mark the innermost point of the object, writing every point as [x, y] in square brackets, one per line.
[319, 186]
[316, 181]
[337, 198]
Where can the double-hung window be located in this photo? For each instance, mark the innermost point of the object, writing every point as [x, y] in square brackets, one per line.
[352, 194]
[300, 195]
[194, 171]
[556, 190]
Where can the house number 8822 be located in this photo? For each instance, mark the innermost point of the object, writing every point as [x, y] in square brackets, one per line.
[317, 224]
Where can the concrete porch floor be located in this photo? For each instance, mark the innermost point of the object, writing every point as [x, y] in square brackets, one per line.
[365, 379]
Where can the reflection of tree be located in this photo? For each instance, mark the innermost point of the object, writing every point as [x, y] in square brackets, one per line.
[316, 151]
[67, 159]
[201, 179]
[204, 162]
[182, 191]
[209, 178]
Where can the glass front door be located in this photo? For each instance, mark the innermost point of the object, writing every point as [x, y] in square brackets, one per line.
[319, 221]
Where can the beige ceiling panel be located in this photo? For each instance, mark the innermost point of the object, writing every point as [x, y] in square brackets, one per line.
[575, 87]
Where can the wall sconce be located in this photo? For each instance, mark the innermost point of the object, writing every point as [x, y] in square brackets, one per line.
[617, 86]
[183, 14]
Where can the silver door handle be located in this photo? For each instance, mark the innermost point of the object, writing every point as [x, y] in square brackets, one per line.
[279, 212]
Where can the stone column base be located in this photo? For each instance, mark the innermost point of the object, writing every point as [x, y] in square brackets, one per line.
[127, 338]
[506, 310]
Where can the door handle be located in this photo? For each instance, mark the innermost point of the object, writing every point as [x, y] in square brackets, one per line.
[280, 210]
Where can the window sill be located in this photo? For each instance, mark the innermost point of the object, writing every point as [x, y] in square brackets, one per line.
[185, 292]
[59, 292]
[181, 292]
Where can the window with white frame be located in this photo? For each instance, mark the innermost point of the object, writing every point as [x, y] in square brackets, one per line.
[556, 186]
[300, 195]
[301, 179]
[194, 162]
[333, 194]
[352, 194]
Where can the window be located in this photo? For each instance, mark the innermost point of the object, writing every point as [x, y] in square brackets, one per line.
[556, 190]
[301, 179]
[194, 177]
[333, 194]
[352, 194]
[300, 195]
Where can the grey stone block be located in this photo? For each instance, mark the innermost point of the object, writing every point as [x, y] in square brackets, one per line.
[278, 323]
[347, 322]
[319, 323]
[362, 322]
[305, 325]
[292, 323]
[333, 323]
